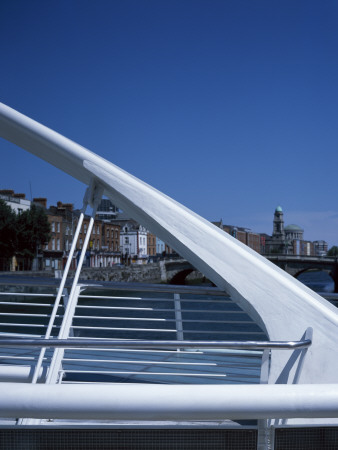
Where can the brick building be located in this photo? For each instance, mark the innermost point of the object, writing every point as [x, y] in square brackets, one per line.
[244, 235]
[151, 244]
[103, 246]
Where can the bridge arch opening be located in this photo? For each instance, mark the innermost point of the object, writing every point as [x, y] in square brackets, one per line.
[318, 279]
[180, 277]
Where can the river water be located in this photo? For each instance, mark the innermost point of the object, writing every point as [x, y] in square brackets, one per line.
[318, 281]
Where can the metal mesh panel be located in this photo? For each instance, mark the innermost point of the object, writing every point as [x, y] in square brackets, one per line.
[314, 438]
[135, 439]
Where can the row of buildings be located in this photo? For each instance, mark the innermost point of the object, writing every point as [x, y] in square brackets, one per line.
[285, 240]
[117, 239]
[114, 239]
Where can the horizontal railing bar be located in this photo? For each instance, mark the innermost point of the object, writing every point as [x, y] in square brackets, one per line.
[26, 294]
[146, 319]
[104, 372]
[110, 297]
[140, 361]
[97, 340]
[87, 343]
[149, 319]
[123, 308]
[27, 315]
[30, 358]
[160, 330]
[29, 304]
[167, 288]
[223, 332]
[10, 335]
[174, 374]
[164, 330]
[160, 299]
[228, 364]
[245, 354]
[26, 325]
[233, 380]
[127, 350]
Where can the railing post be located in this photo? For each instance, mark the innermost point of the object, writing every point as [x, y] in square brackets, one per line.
[264, 440]
[61, 291]
[265, 366]
[92, 196]
[58, 298]
[178, 317]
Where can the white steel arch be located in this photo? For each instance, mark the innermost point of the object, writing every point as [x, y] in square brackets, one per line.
[284, 307]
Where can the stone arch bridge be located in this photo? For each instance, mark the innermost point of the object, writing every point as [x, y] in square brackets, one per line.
[176, 271]
[295, 265]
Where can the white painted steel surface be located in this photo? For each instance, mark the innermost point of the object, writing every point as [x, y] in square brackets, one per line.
[284, 307]
[58, 298]
[17, 374]
[163, 402]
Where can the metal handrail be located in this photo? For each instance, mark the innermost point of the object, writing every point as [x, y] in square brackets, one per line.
[90, 343]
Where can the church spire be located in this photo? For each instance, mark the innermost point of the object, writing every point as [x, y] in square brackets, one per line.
[278, 224]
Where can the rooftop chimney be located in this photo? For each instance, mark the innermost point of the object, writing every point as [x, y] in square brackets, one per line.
[41, 201]
[23, 196]
[7, 192]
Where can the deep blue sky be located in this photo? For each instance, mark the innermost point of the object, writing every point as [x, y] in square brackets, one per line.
[230, 107]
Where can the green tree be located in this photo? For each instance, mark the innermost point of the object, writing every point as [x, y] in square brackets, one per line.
[8, 230]
[333, 251]
[33, 230]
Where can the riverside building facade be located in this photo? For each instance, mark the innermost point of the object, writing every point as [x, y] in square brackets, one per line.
[104, 248]
[245, 235]
[116, 239]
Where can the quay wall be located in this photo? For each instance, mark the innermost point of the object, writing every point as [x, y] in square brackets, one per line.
[157, 272]
[150, 273]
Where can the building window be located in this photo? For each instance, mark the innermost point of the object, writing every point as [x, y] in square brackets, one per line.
[98, 230]
[85, 228]
[126, 240]
[53, 244]
[58, 244]
[80, 243]
[58, 227]
[53, 227]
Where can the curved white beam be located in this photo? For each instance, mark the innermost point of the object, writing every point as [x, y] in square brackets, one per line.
[168, 402]
[18, 373]
[281, 304]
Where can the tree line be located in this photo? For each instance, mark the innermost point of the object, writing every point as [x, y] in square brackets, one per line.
[22, 234]
[333, 251]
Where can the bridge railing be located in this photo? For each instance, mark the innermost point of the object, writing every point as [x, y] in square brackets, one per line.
[157, 314]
